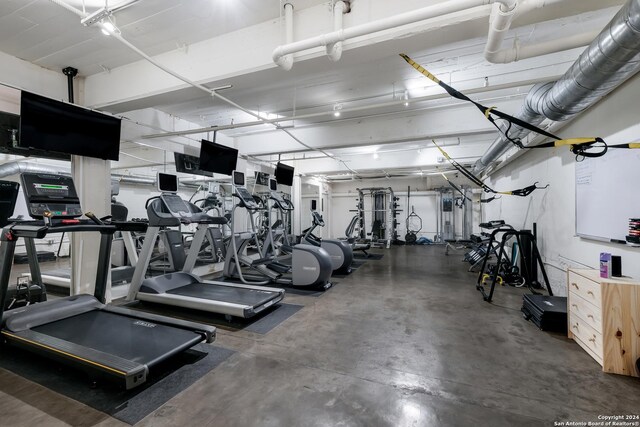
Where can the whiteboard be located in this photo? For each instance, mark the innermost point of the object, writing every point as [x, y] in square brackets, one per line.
[607, 190]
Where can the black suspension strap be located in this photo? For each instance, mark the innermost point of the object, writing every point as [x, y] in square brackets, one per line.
[581, 147]
[455, 187]
[522, 192]
[490, 199]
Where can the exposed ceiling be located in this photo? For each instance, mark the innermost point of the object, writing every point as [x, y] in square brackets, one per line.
[369, 83]
[45, 34]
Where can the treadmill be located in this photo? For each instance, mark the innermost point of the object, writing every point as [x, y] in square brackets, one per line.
[61, 277]
[81, 330]
[185, 289]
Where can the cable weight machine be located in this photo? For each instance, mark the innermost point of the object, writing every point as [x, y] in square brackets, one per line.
[379, 207]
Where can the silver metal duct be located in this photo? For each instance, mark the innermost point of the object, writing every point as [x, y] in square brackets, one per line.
[18, 167]
[611, 59]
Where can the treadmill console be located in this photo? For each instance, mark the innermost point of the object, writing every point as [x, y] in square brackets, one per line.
[282, 203]
[8, 197]
[50, 193]
[317, 219]
[175, 205]
[246, 199]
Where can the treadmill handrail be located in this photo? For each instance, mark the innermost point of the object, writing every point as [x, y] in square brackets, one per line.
[38, 229]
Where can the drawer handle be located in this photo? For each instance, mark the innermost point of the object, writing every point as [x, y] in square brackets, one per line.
[593, 340]
[575, 326]
[590, 293]
[574, 285]
[591, 315]
[574, 305]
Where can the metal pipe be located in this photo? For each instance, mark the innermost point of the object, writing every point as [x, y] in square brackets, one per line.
[286, 62]
[334, 50]
[520, 52]
[70, 72]
[434, 11]
[611, 59]
[500, 22]
[19, 167]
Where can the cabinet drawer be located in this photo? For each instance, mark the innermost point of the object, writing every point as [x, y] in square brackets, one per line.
[585, 288]
[588, 312]
[587, 335]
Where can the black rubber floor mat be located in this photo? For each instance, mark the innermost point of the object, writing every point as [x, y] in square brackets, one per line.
[165, 380]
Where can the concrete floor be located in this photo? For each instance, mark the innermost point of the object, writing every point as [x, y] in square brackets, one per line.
[404, 341]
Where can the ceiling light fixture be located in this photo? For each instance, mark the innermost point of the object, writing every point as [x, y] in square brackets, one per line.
[107, 28]
[336, 110]
[97, 16]
[406, 98]
[376, 156]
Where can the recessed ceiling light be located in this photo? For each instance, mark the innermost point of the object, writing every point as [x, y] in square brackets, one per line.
[336, 110]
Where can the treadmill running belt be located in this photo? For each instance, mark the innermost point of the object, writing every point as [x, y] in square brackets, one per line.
[130, 338]
[250, 297]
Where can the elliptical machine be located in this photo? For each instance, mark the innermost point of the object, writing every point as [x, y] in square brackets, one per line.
[340, 251]
[310, 266]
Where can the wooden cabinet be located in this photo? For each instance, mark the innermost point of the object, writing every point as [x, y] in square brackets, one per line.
[604, 319]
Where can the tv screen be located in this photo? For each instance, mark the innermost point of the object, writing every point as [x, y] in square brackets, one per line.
[50, 125]
[167, 183]
[238, 178]
[10, 140]
[284, 174]
[189, 164]
[262, 178]
[217, 158]
[8, 197]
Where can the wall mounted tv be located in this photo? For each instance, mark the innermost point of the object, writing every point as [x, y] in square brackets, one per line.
[284, 174]
[262, 178]
[217, 158]
[189, 164]
[54, 126]
[10, 140]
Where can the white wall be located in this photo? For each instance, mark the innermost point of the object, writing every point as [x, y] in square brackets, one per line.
[25, 75]
[553, 209]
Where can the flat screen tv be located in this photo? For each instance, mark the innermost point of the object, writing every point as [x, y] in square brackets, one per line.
[189, 164]
[262, 178]
[54, 126]
[217, 158]
[284, 174]
[10, 140]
